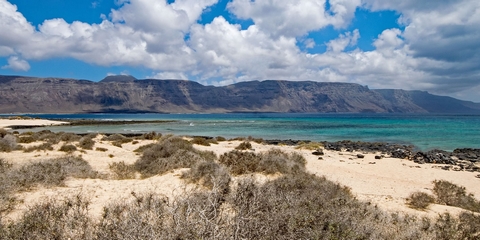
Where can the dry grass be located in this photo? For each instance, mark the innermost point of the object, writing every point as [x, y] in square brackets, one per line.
[42, 147]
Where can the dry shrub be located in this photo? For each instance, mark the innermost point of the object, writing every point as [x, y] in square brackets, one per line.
[117, 144]
[141, 149]
[303, 206]
[47, 173]
[244, 146]
[122, 171]
[257, 140]
[169, 154]
[101, 149]
[53, 219]
[69, 137]
[220, 139]
[210, 175]
[420, 200]
[309, 145]
[152, 136]
[26, 139]
[273, 161]
[86, 143]
[3, 132]
[69, 148]
[200, 141]
[8, 143]
[142, 218]
[117, 138]
[239, 162]
[453, 195]
[42, 147]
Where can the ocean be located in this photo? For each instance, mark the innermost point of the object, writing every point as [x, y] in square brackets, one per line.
[425, 131]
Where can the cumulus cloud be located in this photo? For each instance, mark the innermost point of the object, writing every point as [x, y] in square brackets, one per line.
[294, 18]
[17, 64]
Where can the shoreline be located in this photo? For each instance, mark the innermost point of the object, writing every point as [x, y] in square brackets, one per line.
[373, 176]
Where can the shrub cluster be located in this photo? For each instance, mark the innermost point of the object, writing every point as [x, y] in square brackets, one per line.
[48, 173]
[171, 153]
[122, 171]
[244, 146]
[450, 194]
[273, 161]
[300, 206]
[420, 200]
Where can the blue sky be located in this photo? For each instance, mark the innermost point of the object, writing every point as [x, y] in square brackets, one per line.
[425, 45]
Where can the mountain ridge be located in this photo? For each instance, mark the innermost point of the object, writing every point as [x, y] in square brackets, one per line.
[127, 94]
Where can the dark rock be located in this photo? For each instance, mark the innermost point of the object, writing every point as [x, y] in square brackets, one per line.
[320, 158]
[378, 157]
[318, 152]
[360, 156]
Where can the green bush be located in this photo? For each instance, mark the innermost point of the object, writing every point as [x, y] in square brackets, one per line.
[420, 200]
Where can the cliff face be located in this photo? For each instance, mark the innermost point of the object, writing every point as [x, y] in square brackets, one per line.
[126, 94]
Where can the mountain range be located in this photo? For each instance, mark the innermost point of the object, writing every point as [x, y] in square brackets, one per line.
[125, 94]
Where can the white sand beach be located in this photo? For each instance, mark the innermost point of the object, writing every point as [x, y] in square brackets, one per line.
[384, 182]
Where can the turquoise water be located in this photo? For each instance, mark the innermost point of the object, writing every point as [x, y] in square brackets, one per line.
[427, 132]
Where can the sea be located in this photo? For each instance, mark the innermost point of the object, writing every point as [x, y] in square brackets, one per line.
[424, 131]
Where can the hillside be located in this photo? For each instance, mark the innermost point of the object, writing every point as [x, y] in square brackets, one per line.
[127, 94]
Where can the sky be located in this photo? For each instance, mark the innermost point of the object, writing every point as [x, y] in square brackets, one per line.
[409, 44]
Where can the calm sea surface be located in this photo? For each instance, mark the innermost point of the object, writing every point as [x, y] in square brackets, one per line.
[445, 132]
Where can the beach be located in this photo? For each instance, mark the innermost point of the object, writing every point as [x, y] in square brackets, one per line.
[378, 181]
[385, 182]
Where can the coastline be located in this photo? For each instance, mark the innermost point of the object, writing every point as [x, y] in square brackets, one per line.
[386, 182]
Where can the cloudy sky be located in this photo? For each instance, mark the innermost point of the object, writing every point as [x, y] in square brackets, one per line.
[431, 45]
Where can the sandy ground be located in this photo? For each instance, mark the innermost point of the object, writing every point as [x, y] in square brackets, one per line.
[386, 182]
[5, 123]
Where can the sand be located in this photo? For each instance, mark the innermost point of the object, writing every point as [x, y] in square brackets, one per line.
[386, 182]
[6, 123]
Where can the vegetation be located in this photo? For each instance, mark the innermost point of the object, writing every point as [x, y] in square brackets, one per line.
[273, 161]
[47, 173]
[86, 143]
[244, 146]
[420, 200]
[69, 148]
[171, 153]
[295, 205]
[450, 194]
[310, 145]
[122, 171]
[42, 147]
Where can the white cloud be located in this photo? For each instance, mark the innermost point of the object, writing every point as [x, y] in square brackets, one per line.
[17, 64]
[169, 75]
[344, 40]
[294, 18]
